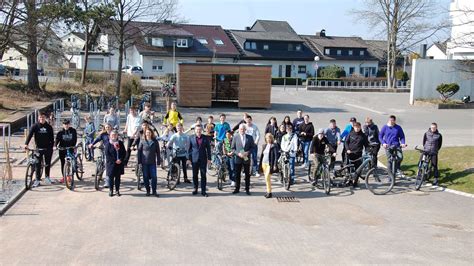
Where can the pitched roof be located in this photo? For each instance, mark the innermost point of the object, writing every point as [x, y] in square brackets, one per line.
[442, 46]
[272, 26]
[81, 35]
[378, 48]
[243, 35]
[212, 33]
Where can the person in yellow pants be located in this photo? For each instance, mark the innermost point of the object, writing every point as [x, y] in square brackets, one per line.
[268, 161]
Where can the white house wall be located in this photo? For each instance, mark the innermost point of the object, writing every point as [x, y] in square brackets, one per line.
[435, 53]
[167, 65]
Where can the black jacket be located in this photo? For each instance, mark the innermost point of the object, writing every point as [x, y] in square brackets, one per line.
[356, 141]
[148, 152]
[297, 123]
[66, 138]
[318, 146]
[111, 156]
[372, 133]
[273, 157]
[271, 129]
[278, 136]
[308, 129]
[432, 141]
[44, 135]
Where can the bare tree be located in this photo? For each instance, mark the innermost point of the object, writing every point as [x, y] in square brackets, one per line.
[405, 23]
[31, 30]
[8, 11]
[124, 34]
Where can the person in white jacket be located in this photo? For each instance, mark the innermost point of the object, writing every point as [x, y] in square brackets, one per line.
[289, 143]
[252, 130]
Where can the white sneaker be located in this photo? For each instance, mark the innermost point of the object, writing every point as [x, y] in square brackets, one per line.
[48, 181]
[36, 183]
[232, 184]
[257, 175]
[106, 182]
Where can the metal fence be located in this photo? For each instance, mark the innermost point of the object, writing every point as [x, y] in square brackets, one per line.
[354, 84]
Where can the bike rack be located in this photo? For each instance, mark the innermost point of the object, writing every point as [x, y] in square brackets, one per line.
[5, 128]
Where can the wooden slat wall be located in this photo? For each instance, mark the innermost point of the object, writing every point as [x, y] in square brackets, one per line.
[195, 85]
[255, 87]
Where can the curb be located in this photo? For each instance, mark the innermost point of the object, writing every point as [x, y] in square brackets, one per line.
[441, 188]
[12, 201]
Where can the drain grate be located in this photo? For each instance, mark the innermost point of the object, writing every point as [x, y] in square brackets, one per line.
[286, 198]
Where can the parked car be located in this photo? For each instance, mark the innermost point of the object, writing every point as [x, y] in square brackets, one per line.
[133, 70]
[3, 70]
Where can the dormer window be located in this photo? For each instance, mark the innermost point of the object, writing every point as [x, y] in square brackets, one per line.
[265, 47]
[327, 51]
[158, 42]
[182, 43]
[362, 53]
[339, 52]
[350, 52]
[218, 42]
[290, 47]
[250, 46]
[298, 47]
[202, 41]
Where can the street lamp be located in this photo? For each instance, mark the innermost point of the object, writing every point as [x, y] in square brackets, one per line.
[316, 60]
[174, 59]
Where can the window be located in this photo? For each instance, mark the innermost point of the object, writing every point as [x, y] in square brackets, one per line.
[265, 47]
[202, 41]
[73, 39]
[280, 71]
[290, 47]
[351, 70]
[350, 52]
[339, 52]
[10, 58]
[250, 46]
[21, 58]
[218, 42]
[302, 69]
[361, 53]
[182, 43]
[158, 42]
[157, 65]
[327, 51]
[298, 47]
[69, 39]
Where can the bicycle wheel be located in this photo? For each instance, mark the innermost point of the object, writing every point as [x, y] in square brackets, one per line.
[287, 176]
[213, 166]
[325, 178]
[139, 175]
[68, 175]
[420, 176]
[379, 181]
[173, 175]
[98, 175]
[79, 168]
[30, 172]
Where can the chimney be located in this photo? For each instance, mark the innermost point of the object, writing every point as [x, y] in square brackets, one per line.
[247, 28]
[322, 33]
[167, 22]
[423, 51]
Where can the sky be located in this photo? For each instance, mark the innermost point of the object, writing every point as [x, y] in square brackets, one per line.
[305, 16]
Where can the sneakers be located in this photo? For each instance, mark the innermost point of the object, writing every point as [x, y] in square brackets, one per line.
[36, 183]
[232, 184]
[106, 182]
[61, 180]
[257, 175]
[435, 182]
[48, 181]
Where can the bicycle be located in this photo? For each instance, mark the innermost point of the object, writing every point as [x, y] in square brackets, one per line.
[212, 168]
[380, 183]
[222, 172]
[174, 170]
[165, 162]
[72, 166]
[284, 168]
[99, 167]
[300, 152]
[33, 161]
[424, 167]
[323, 172]
[139, 174]
[85, 149]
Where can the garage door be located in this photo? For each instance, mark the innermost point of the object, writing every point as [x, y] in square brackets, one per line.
[95, 64]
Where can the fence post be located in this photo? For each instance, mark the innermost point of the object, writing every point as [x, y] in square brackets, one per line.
[284, 84]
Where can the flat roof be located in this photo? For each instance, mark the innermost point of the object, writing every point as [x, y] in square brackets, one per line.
[224, 64]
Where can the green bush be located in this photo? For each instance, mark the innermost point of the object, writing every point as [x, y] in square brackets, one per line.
[381, 73]
[332, 72]
[131, 85]
[92, 77]
[447, 90]
[289, 81]
[402, 75]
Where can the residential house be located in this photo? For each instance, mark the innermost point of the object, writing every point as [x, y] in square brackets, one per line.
[461, 44]
[437, 51]
[159, 47]
[274, 43]
[350, 53]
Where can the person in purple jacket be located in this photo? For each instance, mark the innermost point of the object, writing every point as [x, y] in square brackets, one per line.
[392, 135]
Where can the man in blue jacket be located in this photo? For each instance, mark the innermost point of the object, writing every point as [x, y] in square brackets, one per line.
[200, 157]
[392, 135]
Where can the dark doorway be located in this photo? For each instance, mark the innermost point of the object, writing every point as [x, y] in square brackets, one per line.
[225, 88]
[288, 71]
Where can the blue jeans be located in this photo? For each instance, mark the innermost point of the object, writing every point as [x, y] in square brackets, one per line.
[231, 168]
[253, 153]
[292, 168]
[149, 172]
[306, 145]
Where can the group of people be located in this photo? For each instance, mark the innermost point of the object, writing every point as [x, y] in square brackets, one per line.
[237, 145]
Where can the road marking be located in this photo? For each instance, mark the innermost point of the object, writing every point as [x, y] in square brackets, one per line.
[365, 108]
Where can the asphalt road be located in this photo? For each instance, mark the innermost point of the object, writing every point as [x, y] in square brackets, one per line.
[51, 225]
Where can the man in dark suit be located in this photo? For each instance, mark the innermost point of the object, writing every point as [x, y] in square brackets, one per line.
[242, 144]
[200, 156]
